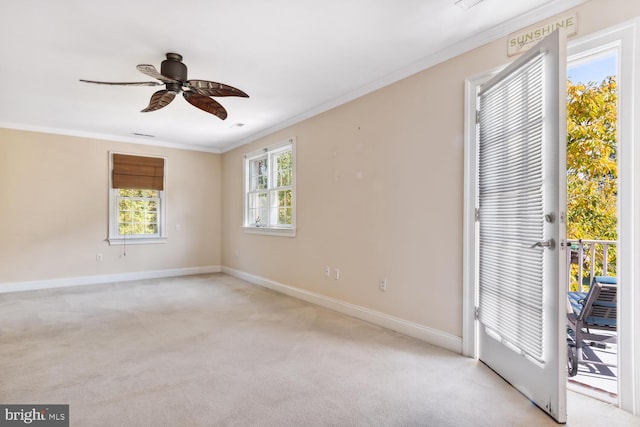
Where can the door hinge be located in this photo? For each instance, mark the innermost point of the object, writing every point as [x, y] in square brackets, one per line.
[476, 313]
[477, 116]
[476, 215]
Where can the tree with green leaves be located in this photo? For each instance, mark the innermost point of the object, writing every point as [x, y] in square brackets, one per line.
[592, 169]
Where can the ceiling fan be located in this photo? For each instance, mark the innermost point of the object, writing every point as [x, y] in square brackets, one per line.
[173, 74]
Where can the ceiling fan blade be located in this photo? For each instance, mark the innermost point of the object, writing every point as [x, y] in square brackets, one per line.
[207, 88]
[160, 99]
[151, 71]
[205, 104]
[122, 83]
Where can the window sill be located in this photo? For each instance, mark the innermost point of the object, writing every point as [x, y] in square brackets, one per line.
[271, 231]
[137, 241]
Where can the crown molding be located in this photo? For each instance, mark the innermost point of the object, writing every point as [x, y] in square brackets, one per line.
[516, 24]
[107, 137]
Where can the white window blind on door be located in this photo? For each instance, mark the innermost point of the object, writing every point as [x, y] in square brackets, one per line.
[511, 210]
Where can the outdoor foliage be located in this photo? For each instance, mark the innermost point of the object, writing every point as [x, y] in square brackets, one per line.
[137, 212]
[284, 178]
[592, 171]
[270, 201]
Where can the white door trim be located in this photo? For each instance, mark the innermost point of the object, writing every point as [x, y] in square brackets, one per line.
[625, 38]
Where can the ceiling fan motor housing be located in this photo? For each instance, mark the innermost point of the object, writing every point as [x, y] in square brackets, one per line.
[173, 68]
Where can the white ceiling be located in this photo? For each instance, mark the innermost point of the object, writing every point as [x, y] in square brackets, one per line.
[295, 58]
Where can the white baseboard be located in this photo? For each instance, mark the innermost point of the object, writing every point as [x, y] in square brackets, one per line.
[429, 335]
[423, 333]
[107, 278]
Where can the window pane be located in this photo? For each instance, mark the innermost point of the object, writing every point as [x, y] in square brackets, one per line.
[258, 174]
[281, 198]
[257, 200]
[138, 212]
[283, 169]
[257, 212]
[138, 216]
[262, 182]
[281, 212]
[126, 216]
[284, 198]
[284, 216]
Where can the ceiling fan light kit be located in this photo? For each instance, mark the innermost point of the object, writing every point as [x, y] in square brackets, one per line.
[173, 74]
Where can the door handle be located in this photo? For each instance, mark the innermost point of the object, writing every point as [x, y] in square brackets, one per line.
[551, 244]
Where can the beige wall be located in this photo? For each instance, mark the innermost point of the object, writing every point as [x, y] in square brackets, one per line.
[380, 183]
[54, 209]
[380, 192]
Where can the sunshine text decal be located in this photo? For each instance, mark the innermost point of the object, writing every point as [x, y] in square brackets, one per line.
[525, 40]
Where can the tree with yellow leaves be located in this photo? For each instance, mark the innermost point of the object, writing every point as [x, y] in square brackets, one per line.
[592, 170]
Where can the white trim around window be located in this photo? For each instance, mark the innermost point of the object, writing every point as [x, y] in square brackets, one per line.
[114, 237]
[269, 190]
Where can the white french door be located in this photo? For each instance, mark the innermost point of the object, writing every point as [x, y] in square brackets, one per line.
[520, 213]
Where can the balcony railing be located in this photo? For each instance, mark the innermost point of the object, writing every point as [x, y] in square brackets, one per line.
[589, 258]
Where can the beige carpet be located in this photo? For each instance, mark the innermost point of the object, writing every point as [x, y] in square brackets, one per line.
[212, 350]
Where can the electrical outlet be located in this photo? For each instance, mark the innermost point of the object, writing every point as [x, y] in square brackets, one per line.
[336, 273]
[99, 257]
[327, 271]
[383, 285]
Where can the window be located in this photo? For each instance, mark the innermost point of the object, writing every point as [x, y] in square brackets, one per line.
[138, 212]
[269, 203]
[136, 199]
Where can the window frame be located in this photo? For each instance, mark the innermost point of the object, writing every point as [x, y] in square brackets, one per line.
[269, 153]
[114, 237]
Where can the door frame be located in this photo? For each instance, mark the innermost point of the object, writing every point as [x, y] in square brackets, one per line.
[624, 38]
